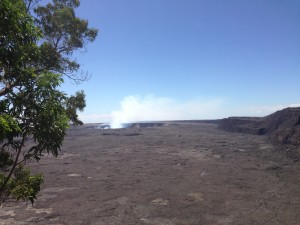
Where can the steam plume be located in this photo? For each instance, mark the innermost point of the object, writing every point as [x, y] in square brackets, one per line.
[151, 108]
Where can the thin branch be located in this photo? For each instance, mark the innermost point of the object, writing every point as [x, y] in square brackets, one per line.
[6, 89]
[2, 188]
[28, 6]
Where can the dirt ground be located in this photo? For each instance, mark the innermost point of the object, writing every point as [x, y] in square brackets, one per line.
[177, 174]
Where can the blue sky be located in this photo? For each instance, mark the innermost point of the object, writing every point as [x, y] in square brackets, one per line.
[190, 59]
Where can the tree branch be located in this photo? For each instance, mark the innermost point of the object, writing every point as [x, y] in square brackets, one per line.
[2, 188]
[28, 6]
[6, 89]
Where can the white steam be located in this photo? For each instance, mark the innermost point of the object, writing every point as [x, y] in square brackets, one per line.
[151, 108]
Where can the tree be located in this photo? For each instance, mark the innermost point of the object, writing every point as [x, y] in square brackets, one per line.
[36, 50]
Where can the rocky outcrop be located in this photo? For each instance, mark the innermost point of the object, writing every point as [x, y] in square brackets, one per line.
[282, 126]
[249, 125]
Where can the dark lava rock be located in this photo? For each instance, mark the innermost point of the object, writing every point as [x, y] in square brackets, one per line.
[145, 124]
[282, 126]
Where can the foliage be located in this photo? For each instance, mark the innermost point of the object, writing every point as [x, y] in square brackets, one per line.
[24, 185]
[35, 55]
[63, 33]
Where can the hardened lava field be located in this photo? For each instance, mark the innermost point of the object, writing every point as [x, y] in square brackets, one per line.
[177, 173]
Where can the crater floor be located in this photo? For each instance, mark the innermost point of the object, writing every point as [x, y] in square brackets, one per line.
[182, 173]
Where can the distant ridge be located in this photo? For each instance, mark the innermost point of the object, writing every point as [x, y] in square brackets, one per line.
[282, 126]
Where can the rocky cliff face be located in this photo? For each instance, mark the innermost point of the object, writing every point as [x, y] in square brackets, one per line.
[282, 126]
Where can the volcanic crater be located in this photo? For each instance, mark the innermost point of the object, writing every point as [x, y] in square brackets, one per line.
[171, 173]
